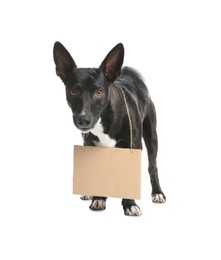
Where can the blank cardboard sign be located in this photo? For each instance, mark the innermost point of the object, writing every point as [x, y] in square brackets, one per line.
[108, 172]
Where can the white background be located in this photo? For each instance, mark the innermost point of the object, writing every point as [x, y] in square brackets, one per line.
[176, 45]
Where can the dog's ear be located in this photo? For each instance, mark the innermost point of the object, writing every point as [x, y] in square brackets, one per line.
[111, 65]
[63, 61]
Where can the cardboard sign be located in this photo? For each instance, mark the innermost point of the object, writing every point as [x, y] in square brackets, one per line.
[107, 172]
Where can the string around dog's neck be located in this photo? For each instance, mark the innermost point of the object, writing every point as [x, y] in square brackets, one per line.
[129, 119]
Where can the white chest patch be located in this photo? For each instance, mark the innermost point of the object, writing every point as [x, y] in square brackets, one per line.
[105, 140]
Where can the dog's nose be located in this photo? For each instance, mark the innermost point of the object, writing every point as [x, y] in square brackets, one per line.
[83, 121]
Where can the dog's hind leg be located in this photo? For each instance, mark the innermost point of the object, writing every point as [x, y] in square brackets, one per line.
[85, 197]
[151, 142]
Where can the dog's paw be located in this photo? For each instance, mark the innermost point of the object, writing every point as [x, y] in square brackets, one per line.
[85, 197]
[158, 198]
[98, 204]
[133, 211]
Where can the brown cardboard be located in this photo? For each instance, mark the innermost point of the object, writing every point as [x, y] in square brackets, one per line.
[108, 172]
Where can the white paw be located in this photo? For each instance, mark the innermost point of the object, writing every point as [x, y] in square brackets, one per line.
[158, 198]
[98, 205]
[85, 197]
[133, 211]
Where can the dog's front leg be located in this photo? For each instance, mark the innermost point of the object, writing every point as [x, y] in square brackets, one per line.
[98, 203]
[130, 208]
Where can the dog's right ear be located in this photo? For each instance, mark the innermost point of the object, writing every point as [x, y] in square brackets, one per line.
[63, 61]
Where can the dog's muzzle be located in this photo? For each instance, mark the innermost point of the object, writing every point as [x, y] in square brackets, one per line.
[83, 122]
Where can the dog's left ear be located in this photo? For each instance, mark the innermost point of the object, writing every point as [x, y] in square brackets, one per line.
[111, 65]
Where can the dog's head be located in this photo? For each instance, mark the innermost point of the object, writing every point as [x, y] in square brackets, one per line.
[87, 90]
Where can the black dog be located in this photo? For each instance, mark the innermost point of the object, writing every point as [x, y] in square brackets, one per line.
[99, 98]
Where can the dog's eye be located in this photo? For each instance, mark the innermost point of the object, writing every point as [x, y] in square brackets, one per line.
[99, 93]
[74, 92]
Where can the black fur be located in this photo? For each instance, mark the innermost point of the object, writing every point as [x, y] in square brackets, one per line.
[96, 94]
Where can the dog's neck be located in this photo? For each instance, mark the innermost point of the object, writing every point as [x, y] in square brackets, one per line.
[104, 139]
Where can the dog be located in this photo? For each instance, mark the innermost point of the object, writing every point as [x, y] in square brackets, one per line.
[97, 99]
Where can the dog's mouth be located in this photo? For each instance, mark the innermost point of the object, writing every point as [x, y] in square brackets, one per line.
[85, 130]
